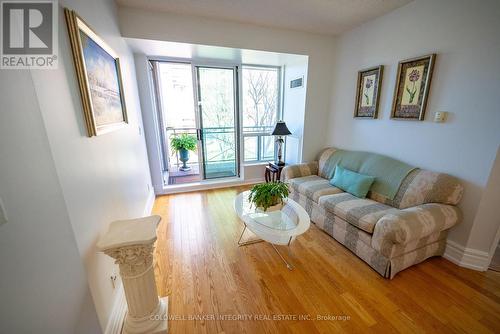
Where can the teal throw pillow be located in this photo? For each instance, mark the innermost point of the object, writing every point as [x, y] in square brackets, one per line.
[352, 182]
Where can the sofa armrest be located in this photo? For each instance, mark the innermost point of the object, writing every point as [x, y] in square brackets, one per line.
[300, 170]
[414, 223]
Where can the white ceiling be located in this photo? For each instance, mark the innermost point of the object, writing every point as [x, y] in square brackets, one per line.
[317, 16]
[197, 52]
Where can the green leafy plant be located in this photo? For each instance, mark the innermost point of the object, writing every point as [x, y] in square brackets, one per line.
[266, 195]
[183, 141]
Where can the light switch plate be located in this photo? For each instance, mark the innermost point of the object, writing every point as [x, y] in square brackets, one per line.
[440, 116]
[3, 214]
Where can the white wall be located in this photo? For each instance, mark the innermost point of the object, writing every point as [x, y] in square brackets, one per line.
[294, 107]
[93, 181]
[150, 121]
[486, 228]
[136, 23]
[103, 178]
[466, 83]
[43, 286]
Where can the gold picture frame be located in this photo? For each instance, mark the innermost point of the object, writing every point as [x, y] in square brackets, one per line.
[368, 92]
[412, 88]
[99, 78]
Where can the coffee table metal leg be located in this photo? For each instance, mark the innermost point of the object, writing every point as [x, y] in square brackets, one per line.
[241, 235]
[290, 253]
[249, 242]
[288, 265]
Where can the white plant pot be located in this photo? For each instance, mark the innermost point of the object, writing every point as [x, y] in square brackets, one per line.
[276, 207]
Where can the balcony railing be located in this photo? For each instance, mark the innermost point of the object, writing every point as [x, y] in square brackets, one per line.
[263, 143]
[218, 135]
[173, 157]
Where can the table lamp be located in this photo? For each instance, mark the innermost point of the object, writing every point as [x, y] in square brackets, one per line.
[280, 130]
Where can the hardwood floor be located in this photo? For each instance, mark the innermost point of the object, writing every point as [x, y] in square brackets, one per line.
[207, 276]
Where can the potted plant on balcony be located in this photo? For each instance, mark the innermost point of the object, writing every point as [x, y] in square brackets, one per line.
[269, 196]
[183, 144]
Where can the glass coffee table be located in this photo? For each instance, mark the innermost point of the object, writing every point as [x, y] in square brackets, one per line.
[276, 227]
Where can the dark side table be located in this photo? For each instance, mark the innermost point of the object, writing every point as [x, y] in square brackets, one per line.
[273, 172]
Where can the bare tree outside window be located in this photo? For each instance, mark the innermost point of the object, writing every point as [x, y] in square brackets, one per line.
[217, 101]
[260, 111]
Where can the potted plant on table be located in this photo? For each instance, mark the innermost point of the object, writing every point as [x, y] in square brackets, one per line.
[183, 144]
[269, 196]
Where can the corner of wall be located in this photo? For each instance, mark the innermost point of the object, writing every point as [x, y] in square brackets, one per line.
[466, 257]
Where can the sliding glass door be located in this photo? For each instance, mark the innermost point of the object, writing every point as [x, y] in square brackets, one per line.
[199, 102]
[177, 117]
[218, 120]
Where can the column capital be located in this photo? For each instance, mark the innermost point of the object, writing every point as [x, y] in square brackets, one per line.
[134, 259]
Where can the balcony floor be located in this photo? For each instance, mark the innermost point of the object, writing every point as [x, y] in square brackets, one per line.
[177, 176]
[215, 170]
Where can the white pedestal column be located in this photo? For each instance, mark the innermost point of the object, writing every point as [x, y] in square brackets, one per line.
[130, 243]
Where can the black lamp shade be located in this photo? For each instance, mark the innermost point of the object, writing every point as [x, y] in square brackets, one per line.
[281, 129]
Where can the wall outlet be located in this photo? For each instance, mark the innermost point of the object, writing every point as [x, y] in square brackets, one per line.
[113, 280]
[3, 213]
[140, 130]
[149, 187]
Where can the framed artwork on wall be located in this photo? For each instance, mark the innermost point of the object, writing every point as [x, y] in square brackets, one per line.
[99, 78]
[368, 92]
[412, 88]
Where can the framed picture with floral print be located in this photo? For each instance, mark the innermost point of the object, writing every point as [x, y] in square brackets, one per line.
[368, 92]
[412, 88]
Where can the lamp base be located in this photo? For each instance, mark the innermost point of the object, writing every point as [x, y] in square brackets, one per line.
[279, 163]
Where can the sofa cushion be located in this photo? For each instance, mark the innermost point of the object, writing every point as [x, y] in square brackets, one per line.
[313, 186]
[299, 170]
[389, 173]
[360, 212]
[324, 157]
[418, 187]
[423, 186]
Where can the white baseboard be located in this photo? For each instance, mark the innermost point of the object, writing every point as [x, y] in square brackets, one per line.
[466, 257]
[118, 312]
[197, 186]
[453, 252]
[149, 204]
